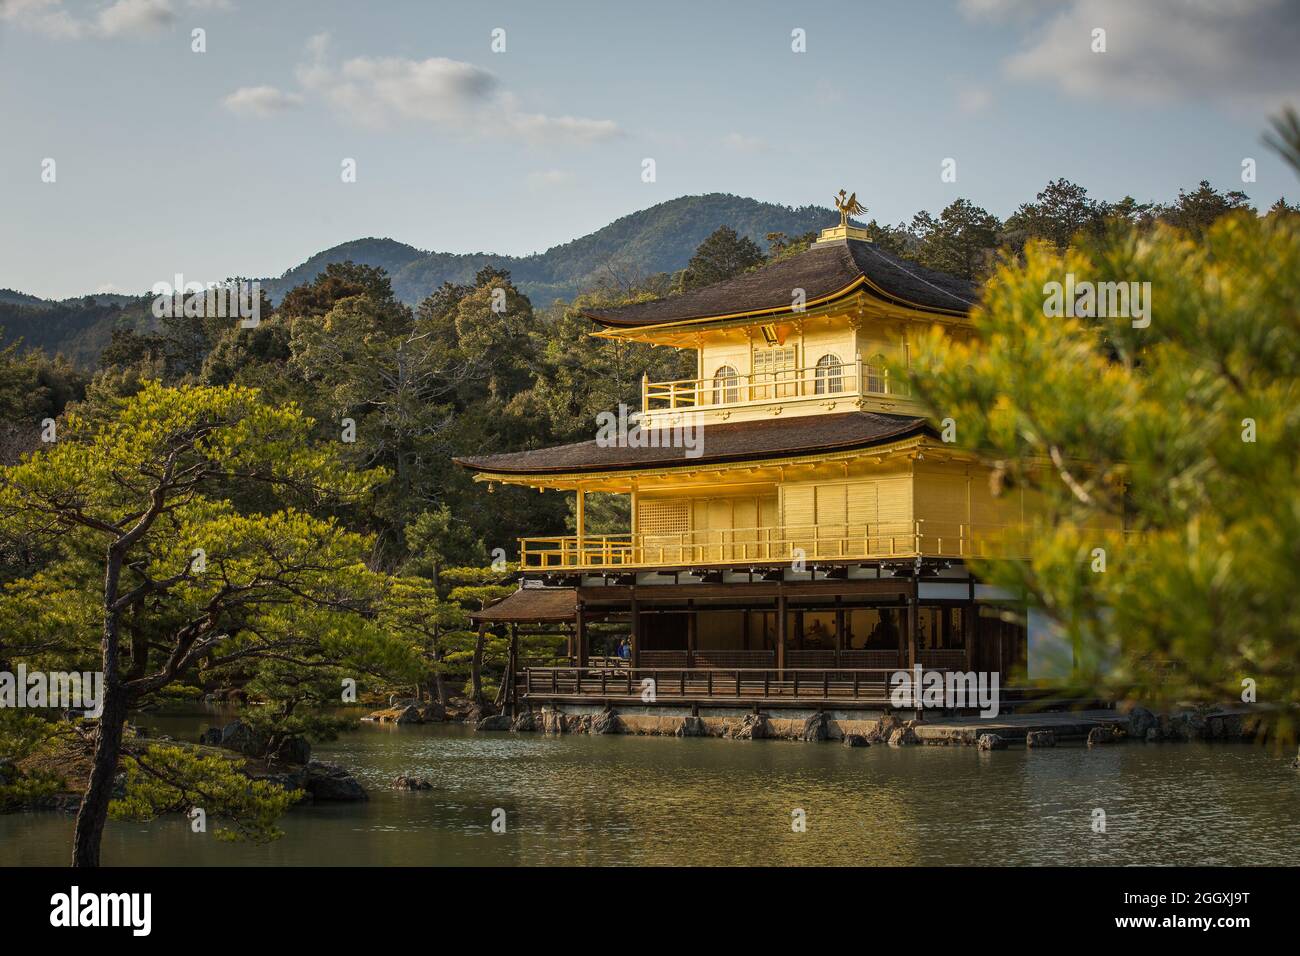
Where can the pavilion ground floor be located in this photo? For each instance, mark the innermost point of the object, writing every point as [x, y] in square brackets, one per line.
[755, 637]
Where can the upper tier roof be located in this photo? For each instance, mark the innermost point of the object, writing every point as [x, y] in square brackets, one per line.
[732, 441]
[824, 271]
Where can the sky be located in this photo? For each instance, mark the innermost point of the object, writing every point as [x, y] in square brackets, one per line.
[513, 127]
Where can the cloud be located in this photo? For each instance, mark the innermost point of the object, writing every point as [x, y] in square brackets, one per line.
[450, 94]
[133, 16]
[974, 99]
[550, 179]
[261, 101]
[745, 144]
[63, 21]
[1240, 53]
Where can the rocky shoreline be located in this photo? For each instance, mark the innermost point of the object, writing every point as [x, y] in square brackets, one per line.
[1040, 731]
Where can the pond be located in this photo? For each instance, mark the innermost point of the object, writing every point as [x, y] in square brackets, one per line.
[610, 800]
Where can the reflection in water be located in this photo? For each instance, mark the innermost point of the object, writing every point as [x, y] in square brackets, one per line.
[662, 801]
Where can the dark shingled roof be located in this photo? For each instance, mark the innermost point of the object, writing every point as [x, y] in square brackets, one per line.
[823, 270]
[531, 606]
[731, 441]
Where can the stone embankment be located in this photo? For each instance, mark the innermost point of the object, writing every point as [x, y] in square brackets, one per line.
[1036, 731]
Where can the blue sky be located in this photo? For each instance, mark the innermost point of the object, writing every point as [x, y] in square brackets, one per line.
[228, 161]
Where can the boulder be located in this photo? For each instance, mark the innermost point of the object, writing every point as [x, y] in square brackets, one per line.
[814, 728]
[410, 714]
[289, 749]
[690, 727]
[1295, 764]
[884, 728]
[991, 742]
[577, 723]
[240, 737]
[904, 736]
[494, 722]
[1140, 720]
[1103, 735]
[405, 782]
[606, 722]
[552, 722]
[1040, 738]
[433, 712]
[752, 727]
[1188, 725]
[1153, 735]
[211, 737]
[328, 781]
[525, 722]
[855, 740]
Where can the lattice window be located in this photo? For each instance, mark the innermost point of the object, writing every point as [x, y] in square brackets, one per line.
[663, 517]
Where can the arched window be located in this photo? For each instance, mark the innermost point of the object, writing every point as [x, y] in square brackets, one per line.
[829, 375]
[877, 375]
[726, 386]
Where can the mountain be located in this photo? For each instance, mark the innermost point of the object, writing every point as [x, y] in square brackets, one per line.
[661, 238]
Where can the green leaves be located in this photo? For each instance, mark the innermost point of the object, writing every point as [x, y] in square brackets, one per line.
[1186, 430]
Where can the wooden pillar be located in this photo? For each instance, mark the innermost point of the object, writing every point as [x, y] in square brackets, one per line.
[968, 633]
[580, 635]
[780, 633]
[634, 630]
[512, 668]
[913, 621]
[581, 521]
[744, 629]
[692, 632]
[839, 632]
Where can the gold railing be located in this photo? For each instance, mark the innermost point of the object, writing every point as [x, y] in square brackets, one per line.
[844, 380]
[773, 545]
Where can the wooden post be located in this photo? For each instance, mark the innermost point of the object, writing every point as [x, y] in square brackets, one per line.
[634, 630]
[580, 635]
[512, 665]
[692, 635]
[839, 632]
[582, 523]
[744, 629]
[780, 633]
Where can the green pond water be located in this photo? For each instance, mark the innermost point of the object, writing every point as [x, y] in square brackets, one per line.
[611, 800]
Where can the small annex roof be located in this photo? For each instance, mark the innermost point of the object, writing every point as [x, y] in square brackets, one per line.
[732, 441]
[531, 605]
[825, 271]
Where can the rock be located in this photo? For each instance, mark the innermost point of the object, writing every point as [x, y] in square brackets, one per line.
[855, 740]
[1040, 738]
[410, 714]
[289, 749]
[524, 722]
[752, 727]
[328, 781]
[1103, 735]
[577, 723]
[904, 736]
[494, 722]
[552, 722]
[884, 728]
[691, 727]
[1140, 720]
[405, 782]
[474, 714]
[433, 712]
[606, 722]
[1295, 764]
[1153, 735]
[991, 742]
[211, 737]
[814, 728]
[1188, 725]
[240, 737]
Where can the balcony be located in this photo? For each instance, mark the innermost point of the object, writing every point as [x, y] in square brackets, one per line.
[741, 546]
[827, 382]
